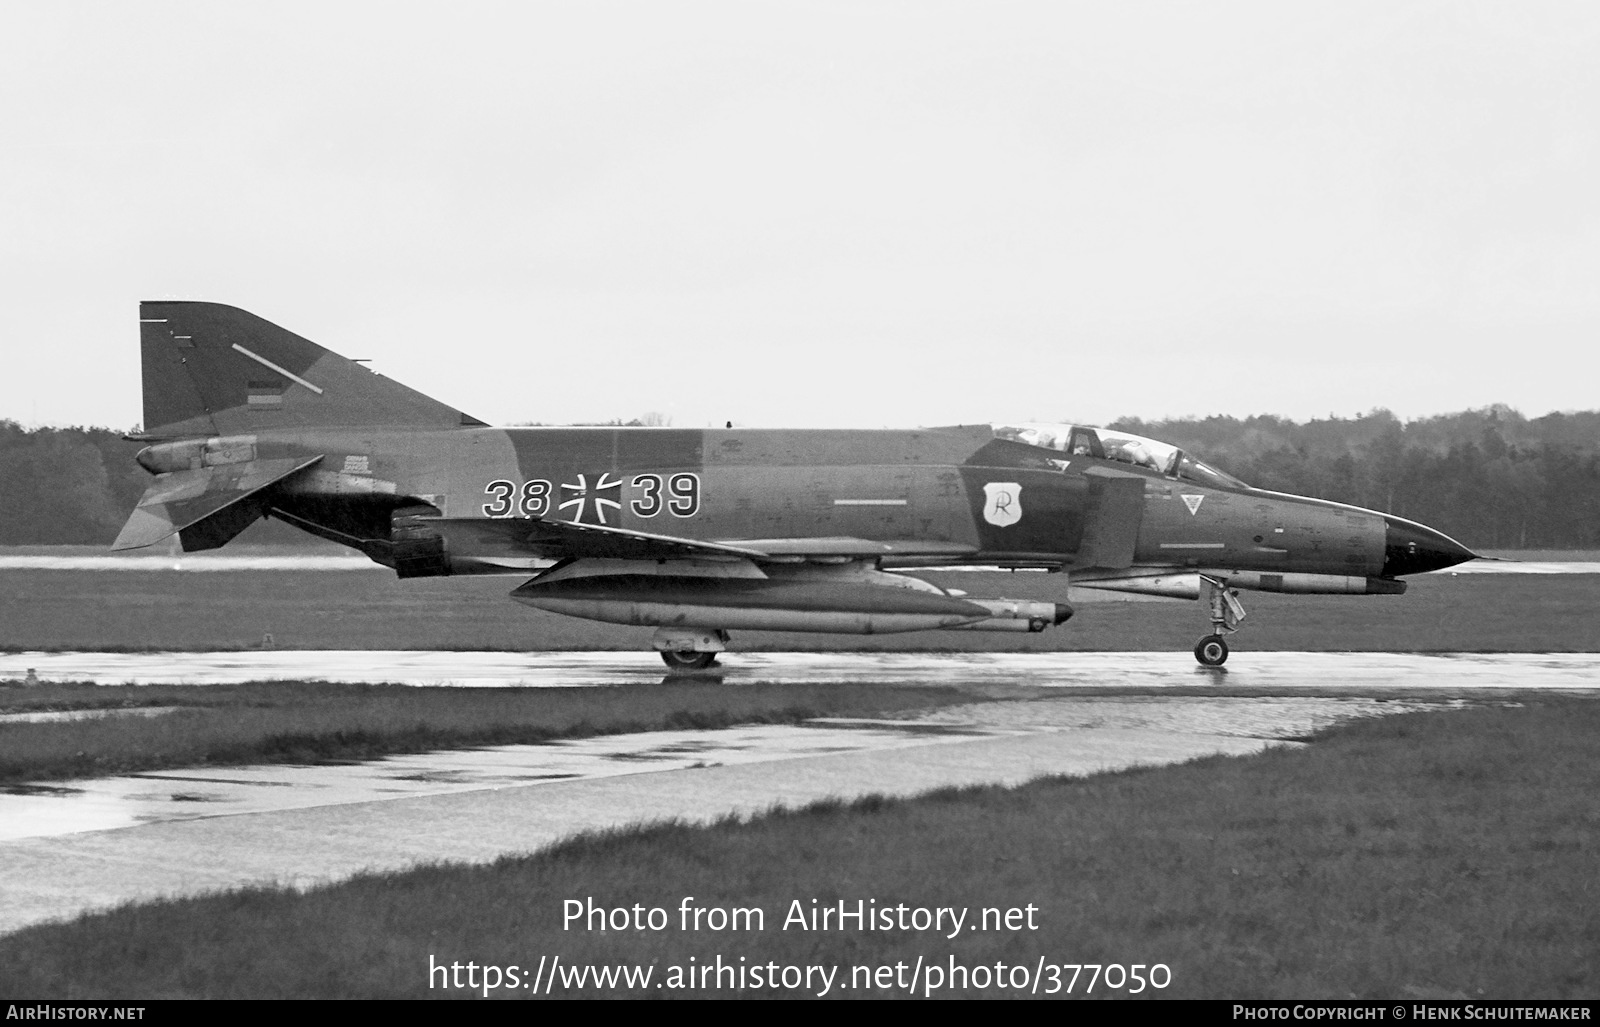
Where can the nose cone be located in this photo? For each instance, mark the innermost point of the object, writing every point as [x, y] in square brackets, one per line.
[1412, 548]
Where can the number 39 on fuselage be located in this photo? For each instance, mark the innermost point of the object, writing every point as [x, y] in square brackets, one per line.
[699, 532]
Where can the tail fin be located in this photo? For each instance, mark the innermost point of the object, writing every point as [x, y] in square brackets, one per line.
[211, 369]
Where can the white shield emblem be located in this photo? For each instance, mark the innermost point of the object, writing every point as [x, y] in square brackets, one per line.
[1193, 503]
[1003, 503]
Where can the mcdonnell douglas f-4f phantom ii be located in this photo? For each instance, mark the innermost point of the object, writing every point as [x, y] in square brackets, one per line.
[696, 532]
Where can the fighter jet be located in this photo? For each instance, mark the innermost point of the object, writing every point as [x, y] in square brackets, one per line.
[699, 532]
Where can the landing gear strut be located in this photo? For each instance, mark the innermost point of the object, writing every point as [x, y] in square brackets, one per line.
[689, 649]
[1226, 613]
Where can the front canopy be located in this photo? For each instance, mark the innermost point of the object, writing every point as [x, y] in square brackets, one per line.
[1120, 446]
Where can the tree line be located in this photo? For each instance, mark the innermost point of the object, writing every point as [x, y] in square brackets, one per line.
[1490, 478]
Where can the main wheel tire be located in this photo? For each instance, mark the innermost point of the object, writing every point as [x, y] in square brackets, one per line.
[1211, 651]
[687, 660]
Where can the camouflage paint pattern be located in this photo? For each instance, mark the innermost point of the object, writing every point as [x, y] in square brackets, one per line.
[247, 420]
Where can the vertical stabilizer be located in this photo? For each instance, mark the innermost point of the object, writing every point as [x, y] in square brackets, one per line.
[212, 369]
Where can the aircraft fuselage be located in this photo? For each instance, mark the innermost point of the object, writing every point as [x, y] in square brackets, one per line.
[930, 496]
[697, 531]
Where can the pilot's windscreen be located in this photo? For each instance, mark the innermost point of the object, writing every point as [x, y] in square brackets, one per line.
[1194, 470]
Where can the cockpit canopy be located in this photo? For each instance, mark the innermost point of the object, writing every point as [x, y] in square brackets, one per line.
[1106, 444]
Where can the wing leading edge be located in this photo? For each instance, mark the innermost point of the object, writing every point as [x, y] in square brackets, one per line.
[564, 539]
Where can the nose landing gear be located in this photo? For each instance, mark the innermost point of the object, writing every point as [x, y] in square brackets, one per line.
[1226, 613]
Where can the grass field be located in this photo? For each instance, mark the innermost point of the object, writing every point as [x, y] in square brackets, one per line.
[290, 722]
[1433, 855]
[135, 610]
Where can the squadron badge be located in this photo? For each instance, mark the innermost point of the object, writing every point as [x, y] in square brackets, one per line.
[1002, 503]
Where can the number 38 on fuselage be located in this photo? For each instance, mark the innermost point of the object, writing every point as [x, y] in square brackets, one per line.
[696, 532]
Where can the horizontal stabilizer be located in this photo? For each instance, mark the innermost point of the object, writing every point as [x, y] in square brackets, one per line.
[209, 505]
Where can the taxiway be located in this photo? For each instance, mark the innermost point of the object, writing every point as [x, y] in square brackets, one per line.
[72, 847]
[1289, 671]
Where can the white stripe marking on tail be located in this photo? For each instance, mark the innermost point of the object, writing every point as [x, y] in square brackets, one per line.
[258, 358]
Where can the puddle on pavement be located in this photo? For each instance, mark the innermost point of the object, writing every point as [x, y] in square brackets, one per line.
[177, 775]
[1281, 719]
[37, 810]
[436, 776]
[31, 789]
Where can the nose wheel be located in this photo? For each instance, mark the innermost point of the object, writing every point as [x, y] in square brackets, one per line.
[1226, 613]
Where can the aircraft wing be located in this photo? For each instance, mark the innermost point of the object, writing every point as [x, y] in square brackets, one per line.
[563, 539]
[855, 548]
[208, 504]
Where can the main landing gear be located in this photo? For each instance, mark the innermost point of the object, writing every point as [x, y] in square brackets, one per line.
[687, 650]
[687, 660]
[1226, 613]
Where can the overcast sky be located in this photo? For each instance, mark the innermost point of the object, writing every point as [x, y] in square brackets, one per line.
[818, 214]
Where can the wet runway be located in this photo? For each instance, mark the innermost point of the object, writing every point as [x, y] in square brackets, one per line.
[77, 846]
[189, 794]
[1360, 672]
[69, 847]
